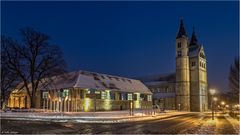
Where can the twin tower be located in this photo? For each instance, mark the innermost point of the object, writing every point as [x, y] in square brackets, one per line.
[191, 73]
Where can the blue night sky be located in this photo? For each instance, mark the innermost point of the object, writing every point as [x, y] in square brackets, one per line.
[130, 39]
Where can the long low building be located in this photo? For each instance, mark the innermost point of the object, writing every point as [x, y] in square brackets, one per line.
[86, 91]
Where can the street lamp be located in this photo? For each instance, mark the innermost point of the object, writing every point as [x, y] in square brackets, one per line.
[212, 92]
[222, 103]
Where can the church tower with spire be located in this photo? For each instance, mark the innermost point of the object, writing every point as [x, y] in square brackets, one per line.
[187, 88]
[198, 76]
[182, 70]
[191, 73]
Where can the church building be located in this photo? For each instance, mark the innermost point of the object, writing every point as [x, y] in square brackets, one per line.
[187, 88]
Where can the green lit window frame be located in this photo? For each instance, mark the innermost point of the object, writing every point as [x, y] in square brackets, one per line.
[45, 95]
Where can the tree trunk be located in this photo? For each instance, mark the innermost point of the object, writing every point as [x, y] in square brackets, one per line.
[33, 101]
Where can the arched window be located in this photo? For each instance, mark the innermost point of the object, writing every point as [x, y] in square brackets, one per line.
[179, 45]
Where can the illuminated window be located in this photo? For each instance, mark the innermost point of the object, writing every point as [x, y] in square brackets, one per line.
[149, 97]
[130, 97]
[108, 94]
[137, 96]
[45, 94]
[65, 92]
[103, 95]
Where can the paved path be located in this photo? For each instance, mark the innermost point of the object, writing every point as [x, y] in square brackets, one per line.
[178, 124]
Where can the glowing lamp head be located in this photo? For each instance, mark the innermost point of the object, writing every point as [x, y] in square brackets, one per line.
[212, 91]
[214, 99]
[222, 103]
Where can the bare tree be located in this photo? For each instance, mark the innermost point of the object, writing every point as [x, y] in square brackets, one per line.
[234, 80]
[9, 80]
[33, 59]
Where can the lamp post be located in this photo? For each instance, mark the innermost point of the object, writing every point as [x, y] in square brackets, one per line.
[212, 92]
[214, 104]
[223, 108]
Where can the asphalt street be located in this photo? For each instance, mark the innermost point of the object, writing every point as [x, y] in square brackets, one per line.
[179, 124]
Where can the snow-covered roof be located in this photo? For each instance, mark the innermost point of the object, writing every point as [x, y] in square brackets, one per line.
[92, 80]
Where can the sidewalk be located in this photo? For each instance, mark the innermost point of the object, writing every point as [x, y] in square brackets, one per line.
[235, 123]
[87, 117]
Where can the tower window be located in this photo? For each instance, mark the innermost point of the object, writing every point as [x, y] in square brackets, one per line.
[193, 63]
[204, 66]
[179, 53]
[179, 45]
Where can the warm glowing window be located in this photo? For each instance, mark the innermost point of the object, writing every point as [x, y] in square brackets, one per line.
[130, 97]
[103, 95]
[149, 97]
[108, 94]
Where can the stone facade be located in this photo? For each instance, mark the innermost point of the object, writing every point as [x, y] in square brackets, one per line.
[189, 81]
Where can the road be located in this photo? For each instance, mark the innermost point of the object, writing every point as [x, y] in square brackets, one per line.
[180, 124]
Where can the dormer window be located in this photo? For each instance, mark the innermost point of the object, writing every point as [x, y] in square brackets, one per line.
[179, 45]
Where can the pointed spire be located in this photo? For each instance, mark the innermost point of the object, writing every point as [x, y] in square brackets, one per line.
[194, 40]
[182, 31]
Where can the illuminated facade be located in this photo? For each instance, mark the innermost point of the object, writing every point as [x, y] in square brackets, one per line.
[86, 91]
[186, 89]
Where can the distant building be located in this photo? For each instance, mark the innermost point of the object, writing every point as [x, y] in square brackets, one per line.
[187, 88]
[86, 91]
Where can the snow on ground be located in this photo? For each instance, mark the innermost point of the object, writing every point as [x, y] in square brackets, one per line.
[234, 122]
[208, 127]
[87, 117]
